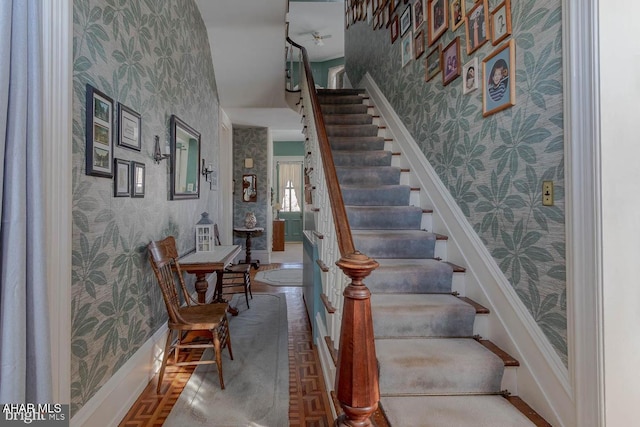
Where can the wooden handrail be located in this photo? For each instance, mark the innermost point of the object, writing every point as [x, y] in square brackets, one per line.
[356, 382]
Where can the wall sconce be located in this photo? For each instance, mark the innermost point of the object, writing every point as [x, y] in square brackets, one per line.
[248, 163]
[206, 172]
[157, 154]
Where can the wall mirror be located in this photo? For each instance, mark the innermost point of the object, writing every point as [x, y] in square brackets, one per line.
[249, 188]
[185, 160]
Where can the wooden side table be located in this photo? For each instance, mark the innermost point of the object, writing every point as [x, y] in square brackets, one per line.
[278, 235]
[249, 232]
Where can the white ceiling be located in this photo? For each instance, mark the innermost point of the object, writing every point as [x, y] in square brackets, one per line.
[247, 39]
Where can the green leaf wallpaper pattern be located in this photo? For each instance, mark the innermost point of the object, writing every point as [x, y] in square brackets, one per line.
[493, 166]
[154, 57]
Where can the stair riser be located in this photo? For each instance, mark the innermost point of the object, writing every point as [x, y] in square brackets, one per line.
[362, 158]
[388, 247]
[368, 176]
[356, 144]
[348, 119]
[389, 219]
[328, 109]
[392, 196]
[352, 131]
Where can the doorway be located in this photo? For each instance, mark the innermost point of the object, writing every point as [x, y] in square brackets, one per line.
[289, 197]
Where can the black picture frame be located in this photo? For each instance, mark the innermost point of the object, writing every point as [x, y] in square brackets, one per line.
[121, 178]
[138, 179]
[98, 133]
[129, 128]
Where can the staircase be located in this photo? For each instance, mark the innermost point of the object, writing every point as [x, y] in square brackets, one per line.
[433, 370]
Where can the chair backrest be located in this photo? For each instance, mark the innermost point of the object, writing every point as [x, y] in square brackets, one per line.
[163, 256]
[216, 234]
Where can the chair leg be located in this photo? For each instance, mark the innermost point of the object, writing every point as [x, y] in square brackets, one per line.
[165, 357]
[216, 349]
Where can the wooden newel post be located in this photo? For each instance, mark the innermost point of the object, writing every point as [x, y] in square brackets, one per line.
[357, 372]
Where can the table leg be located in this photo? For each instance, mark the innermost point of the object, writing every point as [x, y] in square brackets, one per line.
[201, 286]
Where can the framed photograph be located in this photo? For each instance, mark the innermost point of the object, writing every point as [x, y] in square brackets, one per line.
[438, 22]
[418, 44]
[407, 49]
[458, 12]
[394, 29]
[405, 21]
[138, 179]
[476, 26]
[432, 64]
[418, 14]
[121, 178]
[99, 133]
[451, 61]
[499, 86]
[129, 135]
[470, 76]
[501, 22]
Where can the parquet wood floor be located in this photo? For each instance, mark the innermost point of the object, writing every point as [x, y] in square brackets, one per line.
[308, 401]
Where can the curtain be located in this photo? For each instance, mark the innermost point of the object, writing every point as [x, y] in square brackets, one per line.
[25, 372]
[288, 172]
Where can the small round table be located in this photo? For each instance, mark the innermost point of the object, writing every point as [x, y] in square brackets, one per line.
[249, 232]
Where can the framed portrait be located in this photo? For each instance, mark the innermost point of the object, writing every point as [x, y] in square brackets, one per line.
[476, 26]
[501, 22]
[407, 49]
[470, 76]
[451, 61]
[418, 44]
[98, 133]
[394, 29]
[129, 135]
[458, 10]
[498, 84]
[138, 179]
[121, 178]
[432, 64]
[418, 14]
[405, 21]
[437, 22]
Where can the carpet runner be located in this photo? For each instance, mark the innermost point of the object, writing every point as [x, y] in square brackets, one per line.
[432, 371]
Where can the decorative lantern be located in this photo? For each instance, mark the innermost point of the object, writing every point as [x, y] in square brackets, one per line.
[204, 234]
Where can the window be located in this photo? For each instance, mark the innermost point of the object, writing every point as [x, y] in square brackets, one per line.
[289, 186]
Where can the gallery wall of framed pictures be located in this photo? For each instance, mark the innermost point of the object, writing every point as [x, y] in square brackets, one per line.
[419, 24]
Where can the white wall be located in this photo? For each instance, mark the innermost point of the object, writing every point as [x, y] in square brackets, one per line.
[620, 154]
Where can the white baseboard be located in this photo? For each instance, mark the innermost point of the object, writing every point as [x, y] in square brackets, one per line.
[543, 380]
[114, 399]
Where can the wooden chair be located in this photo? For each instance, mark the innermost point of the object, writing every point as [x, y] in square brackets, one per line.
[235, 278]
[193, 316]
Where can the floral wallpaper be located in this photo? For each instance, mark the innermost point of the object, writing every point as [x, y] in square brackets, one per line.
[493, 166]
[252, 142]
[154, 57]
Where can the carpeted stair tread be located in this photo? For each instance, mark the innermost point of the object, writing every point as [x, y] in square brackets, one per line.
[430, 366]
[348, 119]
[360, 143]
[384, 217]
[421, 315]
[362, 158]
[453, 411]
[368, 175]
[410, 276]
[352, 131]
[343, 109]
[384, 195]
[395, 243]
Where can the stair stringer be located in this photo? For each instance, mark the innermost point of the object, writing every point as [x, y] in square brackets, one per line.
[543, 380]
